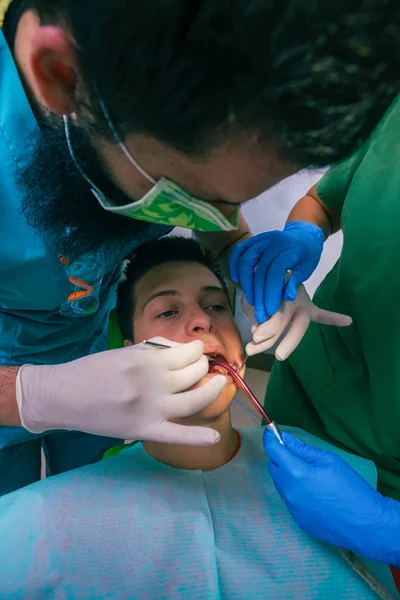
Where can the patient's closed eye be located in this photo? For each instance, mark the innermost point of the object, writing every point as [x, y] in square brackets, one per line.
[167, 314]
[216, 307]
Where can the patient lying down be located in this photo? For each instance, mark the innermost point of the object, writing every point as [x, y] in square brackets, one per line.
[164, 521]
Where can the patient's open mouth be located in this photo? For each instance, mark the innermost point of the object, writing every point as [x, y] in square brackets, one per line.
[221, 358]
[216, 356]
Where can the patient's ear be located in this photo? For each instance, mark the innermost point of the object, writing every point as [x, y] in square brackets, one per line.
[128, 343]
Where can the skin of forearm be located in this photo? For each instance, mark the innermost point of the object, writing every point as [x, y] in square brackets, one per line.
[310, 208]
[222, 243]
[9, 413]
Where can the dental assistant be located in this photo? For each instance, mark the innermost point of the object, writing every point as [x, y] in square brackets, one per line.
[343, 385]
[182, 109]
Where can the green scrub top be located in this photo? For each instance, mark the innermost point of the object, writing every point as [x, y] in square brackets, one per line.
[343, 384]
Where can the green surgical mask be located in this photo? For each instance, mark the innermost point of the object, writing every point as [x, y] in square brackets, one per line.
[166, 203]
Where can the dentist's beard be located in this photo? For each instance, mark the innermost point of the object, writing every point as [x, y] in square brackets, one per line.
[59, 203]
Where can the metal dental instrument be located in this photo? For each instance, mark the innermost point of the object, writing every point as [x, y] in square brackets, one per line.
[271, 425]
[160, 346]
[245, 357]
[156, 345]
[232, 370]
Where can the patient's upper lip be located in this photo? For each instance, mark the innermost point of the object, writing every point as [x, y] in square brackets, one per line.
[220, 349]
[216, 349]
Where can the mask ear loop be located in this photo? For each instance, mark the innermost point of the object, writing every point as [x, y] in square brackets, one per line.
[123, 147]
[95, 190]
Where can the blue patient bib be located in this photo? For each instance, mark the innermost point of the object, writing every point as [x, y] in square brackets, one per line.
[130, 527]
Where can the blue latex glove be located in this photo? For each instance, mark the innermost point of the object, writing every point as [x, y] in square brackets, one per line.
[332, 502]
[298, 248]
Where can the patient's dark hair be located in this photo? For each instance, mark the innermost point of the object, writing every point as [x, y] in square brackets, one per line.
[150, 255]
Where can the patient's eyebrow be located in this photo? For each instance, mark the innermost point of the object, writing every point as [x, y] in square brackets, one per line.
[212, 288]
[159, 294]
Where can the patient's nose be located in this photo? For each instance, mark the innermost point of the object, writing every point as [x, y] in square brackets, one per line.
[199, 321]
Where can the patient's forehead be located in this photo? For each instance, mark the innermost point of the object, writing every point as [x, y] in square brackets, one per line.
[188, 278]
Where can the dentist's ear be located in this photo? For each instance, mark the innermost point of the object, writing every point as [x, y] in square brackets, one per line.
[54, 66]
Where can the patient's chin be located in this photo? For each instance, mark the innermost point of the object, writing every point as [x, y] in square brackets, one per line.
[221, 404]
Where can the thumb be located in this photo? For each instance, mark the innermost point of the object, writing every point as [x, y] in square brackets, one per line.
[184, 435]
[309, 454]
[280, 455]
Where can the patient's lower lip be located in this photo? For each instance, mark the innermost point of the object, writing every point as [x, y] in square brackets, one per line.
[220, 371]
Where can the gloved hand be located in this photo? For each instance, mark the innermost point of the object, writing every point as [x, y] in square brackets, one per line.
[300, 312]
[129, 393]
[259, 265]
[332, 502]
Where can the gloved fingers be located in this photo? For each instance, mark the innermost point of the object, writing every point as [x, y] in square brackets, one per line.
[253, 348]
[181, 355]
[270, 340]
[237, 252]
[186, 435]
[191, 402]
[290, 291]
[326, 317]
[274, 285]
[309, 454]
[260, 279]
[247, 265]
[276, 473]
[281, 456]
[269, 328]
[248, 310]
[292, 339]
[276, 324]
[180, 380]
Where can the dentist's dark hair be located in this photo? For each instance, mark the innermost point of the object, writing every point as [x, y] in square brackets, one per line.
[314, 77]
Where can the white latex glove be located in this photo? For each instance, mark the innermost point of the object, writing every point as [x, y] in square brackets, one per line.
[129, 393]
[299, 314]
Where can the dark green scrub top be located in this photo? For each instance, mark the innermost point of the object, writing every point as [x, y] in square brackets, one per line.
[343, 384]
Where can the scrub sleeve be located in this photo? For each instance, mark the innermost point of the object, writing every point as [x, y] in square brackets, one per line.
[343, 384]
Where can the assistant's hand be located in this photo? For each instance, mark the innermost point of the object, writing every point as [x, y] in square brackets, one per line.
[332, 502]
[296, 316]
[130, 393]
[259, 265]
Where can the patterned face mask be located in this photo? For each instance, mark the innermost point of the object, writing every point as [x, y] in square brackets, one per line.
[166, 203]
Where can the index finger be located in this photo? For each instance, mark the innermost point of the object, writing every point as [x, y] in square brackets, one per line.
[191, 402]
[326, 317]
[180, 356]
[237, 252]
